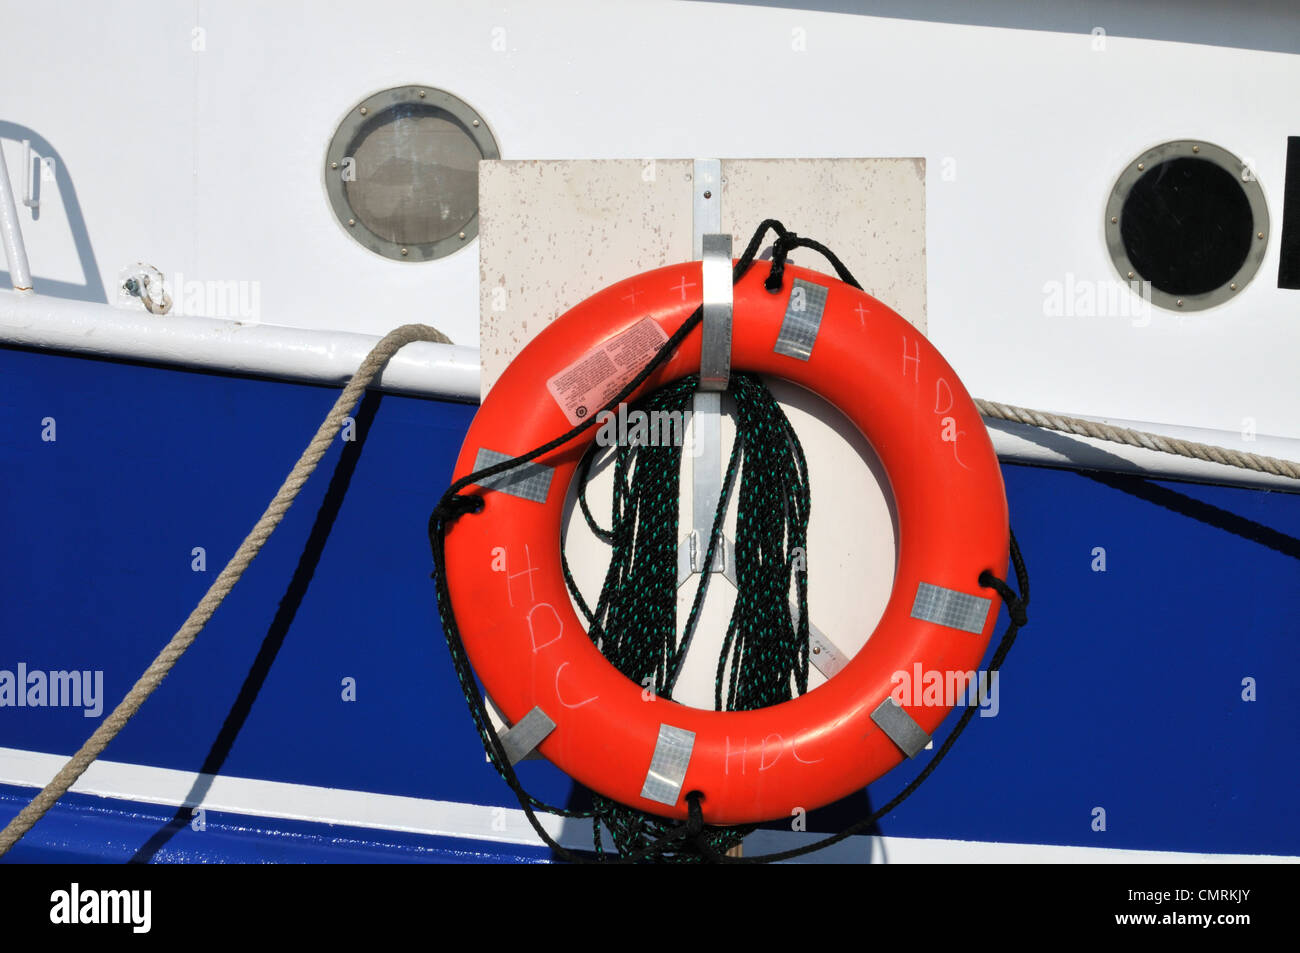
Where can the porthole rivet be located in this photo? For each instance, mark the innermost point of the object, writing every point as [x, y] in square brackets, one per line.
[475, 123]
[1114, 219]
[1180, 302]
[1260, 235]
[462, 235]
[1233, 286]
[421, 94]
[364, 110]
[405, 252]
[334, 165]
[1141, 166]
[1131, 275]
[351, 222]
[1196, 148]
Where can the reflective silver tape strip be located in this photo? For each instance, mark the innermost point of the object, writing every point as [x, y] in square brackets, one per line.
[715, 340]
[526, 734]
[663, 782]
[957, 610]
[529, 481]
[803, 316]
[901, 727]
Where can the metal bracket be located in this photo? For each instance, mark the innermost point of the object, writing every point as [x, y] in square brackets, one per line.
[29, 177]
[706, 413]
[706, 468]
[715, 348]
[706, 203]
[714, 248]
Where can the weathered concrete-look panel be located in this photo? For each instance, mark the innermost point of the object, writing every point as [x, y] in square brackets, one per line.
[552, 233]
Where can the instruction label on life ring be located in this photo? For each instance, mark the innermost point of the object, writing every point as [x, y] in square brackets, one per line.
[588, 383]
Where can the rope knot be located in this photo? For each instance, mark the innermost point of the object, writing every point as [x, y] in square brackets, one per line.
[1016, 607]
[457, 505]
[780, 250]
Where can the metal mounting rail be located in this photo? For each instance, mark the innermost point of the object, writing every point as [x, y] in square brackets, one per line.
[714, 249]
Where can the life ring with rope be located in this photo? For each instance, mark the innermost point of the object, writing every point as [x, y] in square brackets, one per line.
[528, 646]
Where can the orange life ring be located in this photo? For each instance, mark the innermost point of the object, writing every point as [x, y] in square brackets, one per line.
[529, 647]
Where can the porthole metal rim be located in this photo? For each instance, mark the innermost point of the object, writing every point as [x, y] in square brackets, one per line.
[344, 139]
[1230, 163]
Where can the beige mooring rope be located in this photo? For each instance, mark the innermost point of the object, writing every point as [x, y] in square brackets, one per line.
[1140, 438]
[389, 345]
[370, 367]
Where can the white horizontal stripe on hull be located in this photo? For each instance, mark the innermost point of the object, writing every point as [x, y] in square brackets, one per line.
[387, 812]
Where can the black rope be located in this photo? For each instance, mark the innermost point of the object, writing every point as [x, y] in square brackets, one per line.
[692, 839]
[785, 243]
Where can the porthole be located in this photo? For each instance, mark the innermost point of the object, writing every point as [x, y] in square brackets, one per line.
[402, 172]
[1189, 221]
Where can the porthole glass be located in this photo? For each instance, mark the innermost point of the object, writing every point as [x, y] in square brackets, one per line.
[402, 172]
[1188, 220]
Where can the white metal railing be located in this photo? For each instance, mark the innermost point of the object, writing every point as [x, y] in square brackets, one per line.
[11, 234]
[451, 371]
[296, 354]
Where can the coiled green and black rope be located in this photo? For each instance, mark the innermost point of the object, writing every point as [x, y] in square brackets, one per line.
[764, 657]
